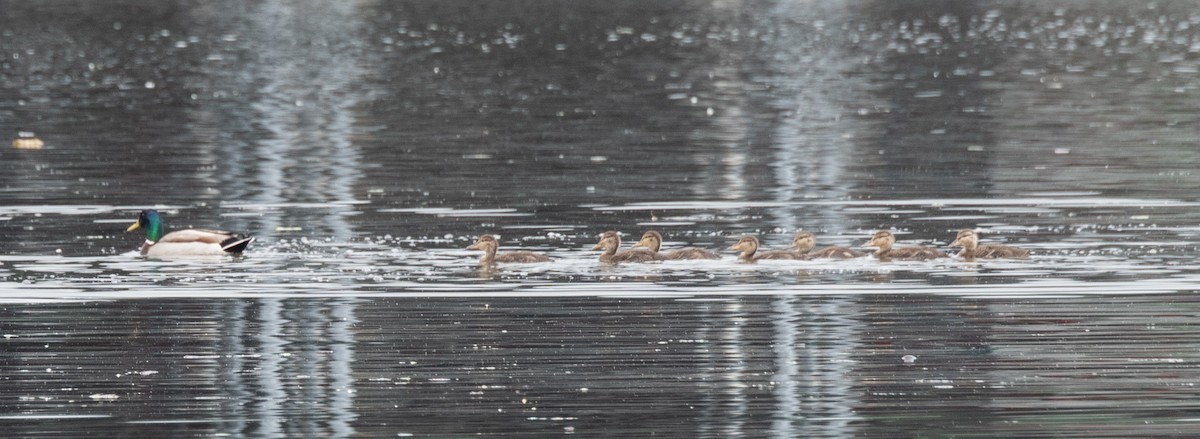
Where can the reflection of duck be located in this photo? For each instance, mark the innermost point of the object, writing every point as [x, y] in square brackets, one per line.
[969, 241]
[610, 241]
[885, 239]
[805, 241]
[652, 241]
[489, 245]
[189, 242]
[27, 140]
[748, 246]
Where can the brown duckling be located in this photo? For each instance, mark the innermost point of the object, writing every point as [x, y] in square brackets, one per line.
[805, 242]
[489, 245]
[748, 246]
[652, 241]
[969, 241]
[885, 239]
[610, 242]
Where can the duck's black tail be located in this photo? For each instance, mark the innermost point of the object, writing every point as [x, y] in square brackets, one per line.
[236, 244]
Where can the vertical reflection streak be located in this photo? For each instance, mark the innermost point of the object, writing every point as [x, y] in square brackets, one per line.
[270, 381]
[731, 127]
[786, 372]
[231, 375]
[708, 370]
[311, 389]
[341, 372]
[305, 377]
[307, 109]
[830, 344]
[809, 155]
[733, 380]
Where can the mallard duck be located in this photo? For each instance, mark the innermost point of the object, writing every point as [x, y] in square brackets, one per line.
[189, 242]
[489, 245]
[27, 140]
[805, 242]
[748, 246]
[885, 239]
[610, 242]
[652, 241]
[969, 241]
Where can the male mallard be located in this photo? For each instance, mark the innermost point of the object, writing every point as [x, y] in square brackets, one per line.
[748, 246]
[610, 241]
[489, 245]
[885, 239]
[969, 241]
[805, 242]
[189, 242]
[652, 241]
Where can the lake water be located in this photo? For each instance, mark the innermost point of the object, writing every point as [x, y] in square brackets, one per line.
[366, 144]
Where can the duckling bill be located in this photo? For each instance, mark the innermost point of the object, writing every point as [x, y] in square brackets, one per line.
[187, 242]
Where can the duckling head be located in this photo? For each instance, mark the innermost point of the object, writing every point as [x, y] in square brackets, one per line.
[748, 245]
[966, 239]
[609, 242]
[652, 240]
[804, 241]
[486, 243]
[882, 239]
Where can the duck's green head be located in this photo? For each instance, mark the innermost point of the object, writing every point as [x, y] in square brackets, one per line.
[149, 220]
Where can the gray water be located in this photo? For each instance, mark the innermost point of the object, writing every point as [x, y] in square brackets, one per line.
[366, 144]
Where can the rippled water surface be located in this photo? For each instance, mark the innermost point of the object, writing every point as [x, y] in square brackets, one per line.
[366, 144]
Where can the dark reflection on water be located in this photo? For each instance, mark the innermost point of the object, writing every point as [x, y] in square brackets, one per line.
[367, 143]
[783, 366]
